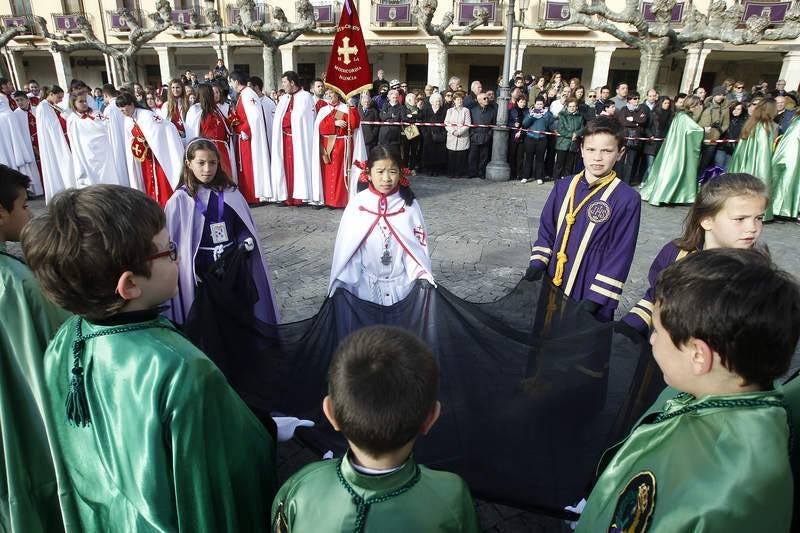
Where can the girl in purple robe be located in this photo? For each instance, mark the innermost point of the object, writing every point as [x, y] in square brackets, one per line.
[728, 212]
[206, 216]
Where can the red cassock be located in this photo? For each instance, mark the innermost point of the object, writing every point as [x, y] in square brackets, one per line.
[214, 127]
[34, 138]
[63, 122]
[11, 102]
[333, 148]
[156, 184]
[177, 119]
[244, 153]
[288, 153]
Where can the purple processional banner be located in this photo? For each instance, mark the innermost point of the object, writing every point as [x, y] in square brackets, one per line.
[649, 16]
[468, 11]
[774, 11]
[393, 13]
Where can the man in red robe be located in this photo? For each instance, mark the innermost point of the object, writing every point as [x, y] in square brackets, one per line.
[24, 106]
[7, 88]
[335, 127]
[156, 150]
[254, 156]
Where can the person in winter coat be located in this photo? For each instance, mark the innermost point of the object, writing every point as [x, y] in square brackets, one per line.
[480, 139]
[368, 112]
[633, 117]
[538, 120]
[569, 127]
[457, 137]
[391, 115]
[657, 127]
[516, 138]
[434, 138]
[738, 118]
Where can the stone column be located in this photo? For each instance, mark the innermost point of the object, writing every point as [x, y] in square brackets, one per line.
[520, 57]
[437, 65]
[17, 68]
[790, 70]
[288, 57]
[693, 69]
[166, 62]
[224, 53]
[63, 69]
[602, 64]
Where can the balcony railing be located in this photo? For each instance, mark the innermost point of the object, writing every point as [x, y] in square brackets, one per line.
[468, 9]
[117, 24]
[25, 21]
[675, 17]
[260, 13]
[394, 14]
[326, 13]
[66, 22]
[774, 11]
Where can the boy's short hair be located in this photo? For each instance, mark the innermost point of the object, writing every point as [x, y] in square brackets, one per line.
[603, 124]
[87, 240]
[740, 304]
[11, 181]
[19, 94]
[383, 382]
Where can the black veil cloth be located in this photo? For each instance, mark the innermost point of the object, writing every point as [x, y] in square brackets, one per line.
[533, 389]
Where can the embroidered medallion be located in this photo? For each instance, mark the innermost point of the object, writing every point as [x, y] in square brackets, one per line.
[635, 505]
[598, 211]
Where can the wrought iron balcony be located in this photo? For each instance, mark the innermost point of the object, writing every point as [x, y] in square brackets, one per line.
[67, 22]
[393, 14]
[259, 13]
[468, 9]
[24, 21]
[326, 12]
[117, 24]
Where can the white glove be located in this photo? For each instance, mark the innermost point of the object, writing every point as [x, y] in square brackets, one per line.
[577, 509]
[244, 136]
[288, 424]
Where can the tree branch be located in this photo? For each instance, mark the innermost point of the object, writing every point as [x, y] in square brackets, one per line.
[427, 8]
[10, 33]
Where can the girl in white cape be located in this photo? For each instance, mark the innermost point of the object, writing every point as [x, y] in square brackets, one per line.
[382, 245]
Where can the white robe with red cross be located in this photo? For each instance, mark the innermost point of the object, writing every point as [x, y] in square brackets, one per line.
[381, 248]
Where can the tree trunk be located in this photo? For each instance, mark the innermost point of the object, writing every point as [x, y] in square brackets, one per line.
[651, 54]
[270, 83]
[126, 65]
[437, 65]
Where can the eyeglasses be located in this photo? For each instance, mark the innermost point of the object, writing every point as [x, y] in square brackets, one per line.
[633, 98]
[739, 87]
[171, 252]
[591, 96]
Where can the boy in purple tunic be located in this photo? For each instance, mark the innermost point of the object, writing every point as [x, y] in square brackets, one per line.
[589, 225]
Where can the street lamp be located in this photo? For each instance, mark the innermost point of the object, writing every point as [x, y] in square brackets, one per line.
[498, 169]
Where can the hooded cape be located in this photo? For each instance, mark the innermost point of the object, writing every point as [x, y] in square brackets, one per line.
[250, 102]
[305, 188]
[673, 177]
[54, 152]
[89, 135]
[185, 225]
[163, 140]
[786, 173]
[116, 141]
[754, 156]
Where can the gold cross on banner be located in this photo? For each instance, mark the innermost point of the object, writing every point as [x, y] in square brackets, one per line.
[346, 50]
[137, 150]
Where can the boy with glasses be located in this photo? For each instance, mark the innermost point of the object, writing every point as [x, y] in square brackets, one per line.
[145, 431]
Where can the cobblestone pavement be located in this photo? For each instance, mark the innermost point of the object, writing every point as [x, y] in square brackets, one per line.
[479, 235]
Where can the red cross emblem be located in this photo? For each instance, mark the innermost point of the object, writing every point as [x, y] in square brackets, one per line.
[419, 233]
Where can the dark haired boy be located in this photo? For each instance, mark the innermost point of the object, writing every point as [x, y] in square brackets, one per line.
[147, 433]
[28, 492]
[712, 453]
[382, 389]
[589, 225]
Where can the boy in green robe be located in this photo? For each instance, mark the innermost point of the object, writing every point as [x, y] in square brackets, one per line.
[28, 492]
[146, 433]
[712, 453]
[382, 388]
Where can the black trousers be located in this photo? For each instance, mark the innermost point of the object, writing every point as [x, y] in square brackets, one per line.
[629, 164]
[516, 156]
[457, 166]
[564, 164]
[707, 154]
[478, 159]
[534, 158]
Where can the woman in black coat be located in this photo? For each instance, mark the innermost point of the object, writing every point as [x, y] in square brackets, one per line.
[391, 114]
[434, 137]
[657, 127]
[368, 112]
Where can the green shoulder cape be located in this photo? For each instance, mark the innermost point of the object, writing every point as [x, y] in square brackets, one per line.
[28, 491]
[754, 156]
[719, 463]
[673, 177]
[786, 173]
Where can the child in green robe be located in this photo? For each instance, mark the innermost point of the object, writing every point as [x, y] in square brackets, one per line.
[382, 388]
[28, 494]
[146, 433]
[712, 453]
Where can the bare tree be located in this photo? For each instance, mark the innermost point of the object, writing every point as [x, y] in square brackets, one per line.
[6, 36]
[655, 40]
[425, 11]
[273, 34]
[123, 58]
